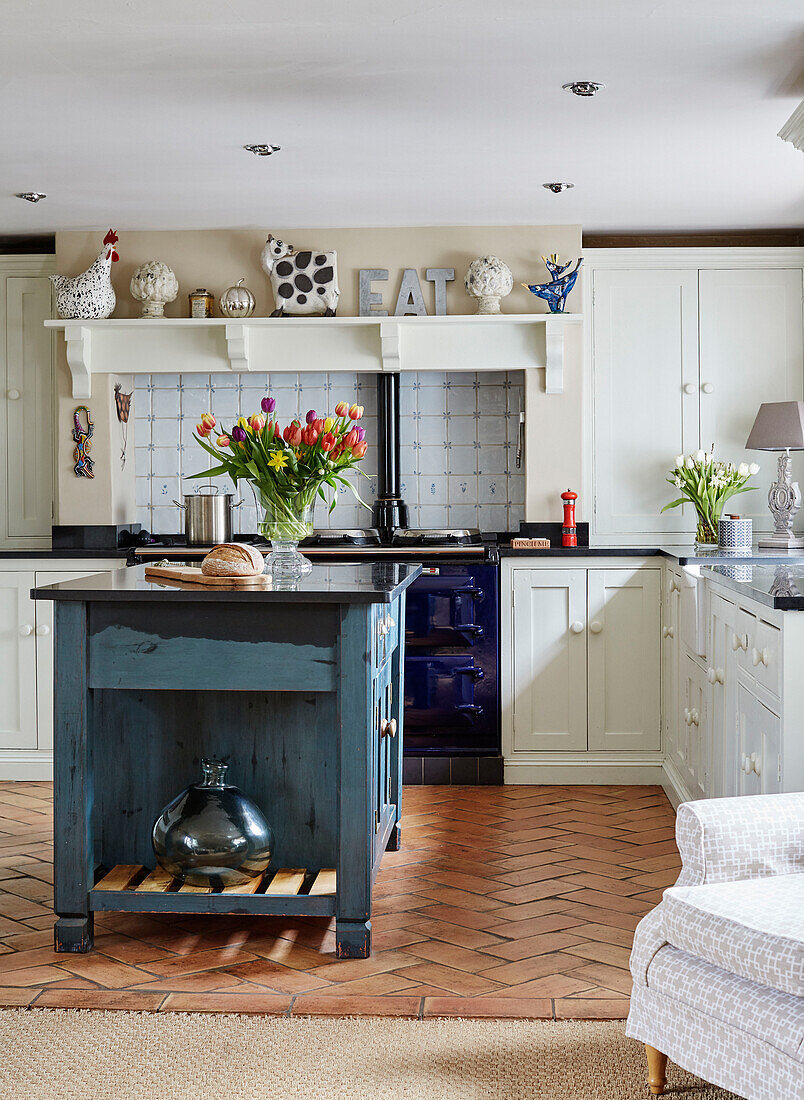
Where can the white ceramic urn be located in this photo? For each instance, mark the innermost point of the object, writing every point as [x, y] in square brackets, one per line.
[154, 284]
[488, 280]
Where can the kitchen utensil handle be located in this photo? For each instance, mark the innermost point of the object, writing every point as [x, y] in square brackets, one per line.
[178, 505]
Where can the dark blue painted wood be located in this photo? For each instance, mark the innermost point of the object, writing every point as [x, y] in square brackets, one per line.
[213, 646]
[72, 782]
[356, 766]
[397, 713]
[282, 751]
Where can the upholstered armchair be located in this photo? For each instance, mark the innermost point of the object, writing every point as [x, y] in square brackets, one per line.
[718, 965]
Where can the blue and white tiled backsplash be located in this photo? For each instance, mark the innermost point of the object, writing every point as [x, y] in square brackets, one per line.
[458, 443]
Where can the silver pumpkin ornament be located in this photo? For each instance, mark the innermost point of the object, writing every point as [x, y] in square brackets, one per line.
[237, 302]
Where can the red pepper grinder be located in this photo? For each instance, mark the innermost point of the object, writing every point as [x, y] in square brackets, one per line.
[569, 532]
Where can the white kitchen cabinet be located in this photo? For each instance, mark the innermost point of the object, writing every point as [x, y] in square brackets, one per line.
[671, 645]
[17, 661]
[581, 668]
[644, 353]
[682, 346]
[750, 351]
[721, 674]
[624, 640]
[26, 403]
[759, 756]
[692, 759]
[549, 660]
[26, 664]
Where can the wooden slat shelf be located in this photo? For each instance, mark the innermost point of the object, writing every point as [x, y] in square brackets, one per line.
[291, 891]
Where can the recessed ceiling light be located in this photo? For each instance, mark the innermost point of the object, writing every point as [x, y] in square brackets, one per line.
[583, 87]
[557, 188]
[262, 150]
[30, 196]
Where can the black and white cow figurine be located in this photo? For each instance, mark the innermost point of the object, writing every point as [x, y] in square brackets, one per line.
[303, 283]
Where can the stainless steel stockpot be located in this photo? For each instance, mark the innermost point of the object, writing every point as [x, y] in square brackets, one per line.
[208, 516]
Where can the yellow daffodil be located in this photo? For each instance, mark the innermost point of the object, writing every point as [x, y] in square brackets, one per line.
[277, 460]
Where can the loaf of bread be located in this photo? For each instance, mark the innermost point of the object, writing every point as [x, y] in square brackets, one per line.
[233, 559]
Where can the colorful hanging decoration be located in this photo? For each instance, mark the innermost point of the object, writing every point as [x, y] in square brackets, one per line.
[555, 292]
[82, 436]
[122, 403]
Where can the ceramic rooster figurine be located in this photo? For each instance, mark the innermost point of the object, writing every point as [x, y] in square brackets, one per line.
[89, 296]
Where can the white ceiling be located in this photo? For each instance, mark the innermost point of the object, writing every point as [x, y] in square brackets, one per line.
[418, 112]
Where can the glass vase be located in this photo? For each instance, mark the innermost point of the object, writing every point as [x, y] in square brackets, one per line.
[211, 834]
[705, 535]
[285, 522]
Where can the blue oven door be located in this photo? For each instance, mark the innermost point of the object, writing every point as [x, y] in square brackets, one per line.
[451, 664]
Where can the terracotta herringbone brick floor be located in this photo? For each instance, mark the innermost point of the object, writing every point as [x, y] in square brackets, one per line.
[504, 901]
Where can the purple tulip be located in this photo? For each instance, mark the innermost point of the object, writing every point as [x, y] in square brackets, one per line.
[311, 416]
[239, 435]
[361, 434]
[268, 405]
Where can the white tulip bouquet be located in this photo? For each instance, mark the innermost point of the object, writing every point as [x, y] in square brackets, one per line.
[708, 485]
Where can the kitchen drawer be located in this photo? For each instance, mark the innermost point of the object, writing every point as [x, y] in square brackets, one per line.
[765, 653]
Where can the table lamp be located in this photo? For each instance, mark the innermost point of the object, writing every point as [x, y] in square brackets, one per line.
[779, 426]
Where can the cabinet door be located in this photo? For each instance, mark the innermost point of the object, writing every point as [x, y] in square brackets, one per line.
[750, 746]
[17, 662]
[751, 351]
[695, 764]
[549, 660]
[28, 428]
[722, 676]
[624, 659]
[645, 351]
[671, 690]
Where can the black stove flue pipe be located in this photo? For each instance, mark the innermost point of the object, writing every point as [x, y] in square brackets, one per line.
[390, 510]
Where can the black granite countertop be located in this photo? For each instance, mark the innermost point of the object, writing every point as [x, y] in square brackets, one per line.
[58, 555]
[777, 586]
[378, 582]
[682, 555]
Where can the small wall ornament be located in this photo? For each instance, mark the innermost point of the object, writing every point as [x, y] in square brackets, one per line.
[89, 296]
[82, 436]
[122, 402]
[237, 302]
[154, 284]
[556, 291]
[409, 299]
[305, 283]
[488, 280]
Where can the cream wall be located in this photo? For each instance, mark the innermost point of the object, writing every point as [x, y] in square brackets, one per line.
[216, 259]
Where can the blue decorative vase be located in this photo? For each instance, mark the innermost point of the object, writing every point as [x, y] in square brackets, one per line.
[211, 834]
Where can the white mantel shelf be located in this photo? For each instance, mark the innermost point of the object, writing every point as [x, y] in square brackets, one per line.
[184, 345]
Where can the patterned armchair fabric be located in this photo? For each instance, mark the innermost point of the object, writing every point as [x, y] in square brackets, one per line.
[718, 966]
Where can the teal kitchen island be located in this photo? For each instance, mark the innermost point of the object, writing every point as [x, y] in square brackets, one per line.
[300, 690]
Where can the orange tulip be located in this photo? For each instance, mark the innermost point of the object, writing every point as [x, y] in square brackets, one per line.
[309, 435]
[208, 420]
[341, 409]
[356, 412]
[350, 439]
[327, 441]
[359, 449]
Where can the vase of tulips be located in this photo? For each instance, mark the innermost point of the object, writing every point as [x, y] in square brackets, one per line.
[288, 469]
[707, 485]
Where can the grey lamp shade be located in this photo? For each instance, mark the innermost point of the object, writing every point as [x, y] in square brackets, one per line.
[779, 425]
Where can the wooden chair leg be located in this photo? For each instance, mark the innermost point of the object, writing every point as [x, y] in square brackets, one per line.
[657, 1070]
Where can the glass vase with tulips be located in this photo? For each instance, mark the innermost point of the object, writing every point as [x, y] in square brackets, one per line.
[707, 485]
[288, 469]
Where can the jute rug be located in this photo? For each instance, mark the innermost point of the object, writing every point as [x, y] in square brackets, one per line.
[71, 1055]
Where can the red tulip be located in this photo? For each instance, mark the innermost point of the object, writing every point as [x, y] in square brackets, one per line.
[359, 449]
[223, 441]
[356, 412]
[208, 420]
[336, 452]
[309, 435]
[327, 441]
[318, 425]
[202, 431]
[350, 439]
[341, 409]
[256, 422]
[295, 436]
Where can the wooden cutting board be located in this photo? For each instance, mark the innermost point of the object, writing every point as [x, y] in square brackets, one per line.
[191, 574]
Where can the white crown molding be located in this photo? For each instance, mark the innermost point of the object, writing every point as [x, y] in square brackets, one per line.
[748, 256]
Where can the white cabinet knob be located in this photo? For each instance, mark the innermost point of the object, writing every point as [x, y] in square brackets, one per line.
[689, 388]
[668, 632]
[711, 676]
[746, 764]
[26, 630]
[756, 763]
[736, 642]
[674, 585]
[707, 387]
[595, 626]
[43, 630]
[687, 715]
[13, 395]
[760, 657]
[720, 675]
[577, 627]
[696, 718]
